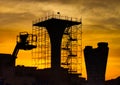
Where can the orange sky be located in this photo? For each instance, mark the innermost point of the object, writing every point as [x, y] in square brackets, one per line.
[101, 22]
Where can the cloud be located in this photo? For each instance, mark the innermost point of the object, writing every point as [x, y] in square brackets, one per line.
[94, 12]
[49, 1]
[12, 23]
[11, 20]
[101, 14]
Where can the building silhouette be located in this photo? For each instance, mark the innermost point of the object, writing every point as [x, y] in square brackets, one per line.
[96, 60]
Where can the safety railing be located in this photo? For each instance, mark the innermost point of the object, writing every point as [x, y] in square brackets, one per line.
[56, 16]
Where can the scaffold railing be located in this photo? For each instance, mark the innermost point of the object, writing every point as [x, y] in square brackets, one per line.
[56, 16]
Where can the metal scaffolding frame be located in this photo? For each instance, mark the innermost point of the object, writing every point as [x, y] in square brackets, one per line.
[41, 55]
[71, 47]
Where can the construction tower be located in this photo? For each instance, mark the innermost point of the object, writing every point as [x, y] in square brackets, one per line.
[96, 61]
[59, 42]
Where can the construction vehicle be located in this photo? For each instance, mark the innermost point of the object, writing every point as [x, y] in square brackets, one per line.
[25, 41]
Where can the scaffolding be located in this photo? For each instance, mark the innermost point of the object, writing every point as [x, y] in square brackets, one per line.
[71, 47]
[41, 55]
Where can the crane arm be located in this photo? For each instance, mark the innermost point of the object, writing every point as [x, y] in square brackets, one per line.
[16, 50]
[23, 43]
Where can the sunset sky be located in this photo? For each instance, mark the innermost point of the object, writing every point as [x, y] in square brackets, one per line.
[100, 22]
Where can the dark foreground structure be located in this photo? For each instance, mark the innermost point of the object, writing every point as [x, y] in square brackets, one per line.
[113, 81]
[56, 75]
[96, 60]
[21, 75]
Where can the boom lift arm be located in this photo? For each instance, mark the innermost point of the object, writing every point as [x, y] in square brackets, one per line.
[25, 41]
